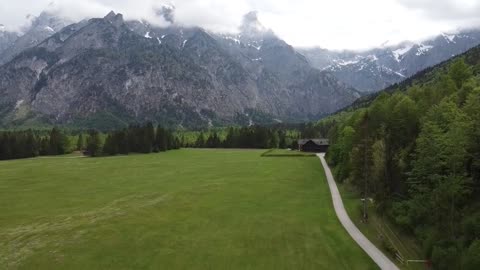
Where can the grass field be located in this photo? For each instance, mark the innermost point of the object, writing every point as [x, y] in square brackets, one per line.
[186, 209]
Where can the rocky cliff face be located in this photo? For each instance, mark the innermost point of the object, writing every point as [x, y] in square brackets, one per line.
[107, 72]
[379, 68]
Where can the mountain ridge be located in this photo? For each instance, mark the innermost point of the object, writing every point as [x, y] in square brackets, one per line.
[130, 71]
[471, 57]
[378, 68]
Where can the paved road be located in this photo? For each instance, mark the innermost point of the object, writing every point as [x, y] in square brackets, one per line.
[380, 259]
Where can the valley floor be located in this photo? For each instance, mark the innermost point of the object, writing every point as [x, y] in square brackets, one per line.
[185, 209]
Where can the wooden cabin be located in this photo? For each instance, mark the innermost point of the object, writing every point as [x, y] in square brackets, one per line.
[313, 145]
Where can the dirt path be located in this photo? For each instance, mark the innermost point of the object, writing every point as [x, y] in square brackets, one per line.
[380, 259]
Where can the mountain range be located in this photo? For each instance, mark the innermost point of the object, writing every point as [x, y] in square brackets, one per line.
[108, 72]
[376, 69]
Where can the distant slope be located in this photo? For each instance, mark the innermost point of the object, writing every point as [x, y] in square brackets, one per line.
[379, 68]
[428, 75]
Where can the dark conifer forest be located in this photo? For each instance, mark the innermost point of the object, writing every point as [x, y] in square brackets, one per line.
[146, 139]
[29, 143]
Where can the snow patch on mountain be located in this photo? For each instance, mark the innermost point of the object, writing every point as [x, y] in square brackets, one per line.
[362, 67]
[399, 53]
[258, 47]
[347, 63]
[395, 61]
[372, 58]
[449, 38]
[236, 40]
[19, 103]
[422, 49]
[400, 74]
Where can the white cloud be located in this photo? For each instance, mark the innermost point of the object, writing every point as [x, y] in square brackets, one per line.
[445, 9]
[333, 24]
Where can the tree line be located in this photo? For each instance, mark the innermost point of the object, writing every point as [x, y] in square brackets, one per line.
[29, 143]
[134, 139]
[147, 139]
[254, 137]
[417, 154]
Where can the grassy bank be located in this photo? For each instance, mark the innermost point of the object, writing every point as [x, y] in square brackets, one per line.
[395, 244]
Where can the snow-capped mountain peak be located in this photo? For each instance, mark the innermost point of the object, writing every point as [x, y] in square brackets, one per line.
[393, 63]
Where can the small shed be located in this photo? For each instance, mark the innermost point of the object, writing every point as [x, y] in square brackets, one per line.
[313, 145]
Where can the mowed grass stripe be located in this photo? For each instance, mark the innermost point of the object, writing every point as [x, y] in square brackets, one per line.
[186, 209]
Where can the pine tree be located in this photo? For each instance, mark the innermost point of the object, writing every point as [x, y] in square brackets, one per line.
[94, 144]
[213, 140]
[149, 138]
[231, 139]
[161, 140]
[58, 142]
[110, 147]
[44, 146]
[170, 140]
[282, 144]
[200, 143]
[460, 72]
[80, 142]
[31, 145]
[274, 139]
[121, 141]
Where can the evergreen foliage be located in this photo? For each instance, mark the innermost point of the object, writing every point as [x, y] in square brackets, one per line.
[418, 151]
[140, 139]
[29, 143]
[254, 137]
[94, 144]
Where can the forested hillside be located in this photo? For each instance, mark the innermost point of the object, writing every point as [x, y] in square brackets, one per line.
[417, 149]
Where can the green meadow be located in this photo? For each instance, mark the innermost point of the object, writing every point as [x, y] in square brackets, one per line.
[185, 209]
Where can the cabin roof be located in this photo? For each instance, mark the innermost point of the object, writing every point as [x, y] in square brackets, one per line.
[316, 141]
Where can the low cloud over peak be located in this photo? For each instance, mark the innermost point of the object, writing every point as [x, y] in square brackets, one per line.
[339, 24]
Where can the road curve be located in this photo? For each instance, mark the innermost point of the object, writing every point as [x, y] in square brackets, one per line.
[380, 259]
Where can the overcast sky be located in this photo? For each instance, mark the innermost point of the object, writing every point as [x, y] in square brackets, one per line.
[332, 24]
